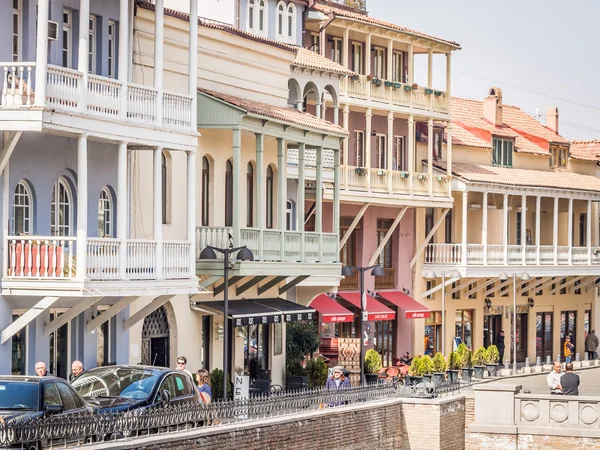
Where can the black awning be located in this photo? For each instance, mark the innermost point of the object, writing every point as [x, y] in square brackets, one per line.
[260, 311]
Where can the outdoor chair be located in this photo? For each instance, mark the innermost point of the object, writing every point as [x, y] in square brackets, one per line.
[260, 387]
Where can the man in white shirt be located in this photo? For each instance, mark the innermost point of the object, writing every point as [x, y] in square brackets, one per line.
[553, 379]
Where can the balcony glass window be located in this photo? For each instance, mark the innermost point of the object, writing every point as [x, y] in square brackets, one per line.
[67, 60]
[456, 294]
[164, 184]
[205, 191]
[112, 38]
[397, 68]
[359, 148]
[429, 216]
[400, 156]
[559, 156]
[385, 259]
[17, 22]
[61, 209]
[357, 57]
[291, 22]
[280, 19]
[379, 63]
[251, 10]
[448, 228]
[262, 16]
[269, 205]
[433, 333]
[105, 214]
[583, 230]
[22, 210]
[348, 252]
[502, 152]
[92, 45]
[464, 327]
[437, 144]
[228, 194]
[381, 148]
[250, 196]
[290, 216]
[315, 42]
[336, 50]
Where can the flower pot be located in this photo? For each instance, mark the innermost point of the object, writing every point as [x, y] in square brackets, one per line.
[415, 380]
[467, 374]
[478, 371]
[371, 378]
[492, 368]
[427, 378]
[438, 378]
[453, 375]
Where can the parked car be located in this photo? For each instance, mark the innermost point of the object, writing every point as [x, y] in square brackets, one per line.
[23, 397]
[123, 388]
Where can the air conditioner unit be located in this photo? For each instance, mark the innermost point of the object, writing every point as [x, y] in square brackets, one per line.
[52, 30]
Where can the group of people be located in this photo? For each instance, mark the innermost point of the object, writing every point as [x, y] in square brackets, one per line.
[202, 379]
[41, 370]
[566, 383]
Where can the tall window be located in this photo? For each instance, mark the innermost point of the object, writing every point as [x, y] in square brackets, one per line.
[205, 191]
[448, 228]
[112, 38]
[583, 230]
[164, 182]
[379, 63]
[251, 10]
[269, 197]
[290, 216]
[67, 60]
[61, 209]
[16, 30]
[359, 148]
[336, 50]
[315, 42]
[397, 67]
[385, 259]
[92, 45]
[228, 194]
[250, 196]
[357, 57]
[518, 228]
[381, 146]
[433, 333]
[428, 220]
[400, 158]
[281, 20]
[291, 22]
[262, 16]
[105, 214]
[559, 156]
[437, 144]
[502, 152]
[464, 327]
[22, 210]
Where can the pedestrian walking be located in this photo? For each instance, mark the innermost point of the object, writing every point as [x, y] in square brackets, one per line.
[553, 379]
[591, 345]
[568, 349]
[337, 381]
[203, 381]
[569, 381]
[500, 345]
[181, 365]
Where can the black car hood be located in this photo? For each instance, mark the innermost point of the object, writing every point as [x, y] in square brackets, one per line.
[14, 414]
[112, 404]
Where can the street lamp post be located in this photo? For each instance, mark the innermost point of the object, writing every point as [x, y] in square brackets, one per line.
[524, 277]
[455, 274]
[347, 271]
[244, 255]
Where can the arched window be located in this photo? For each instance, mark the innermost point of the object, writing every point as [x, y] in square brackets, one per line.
[291, 22]
[105, 214]
[205, 191]
[250, 196]
[269, 197]
[262, 16]
[251, 12]
[228, 194]
[61, 209]
[163, 186]
[22, 210]
[290, 212]
[281, 20]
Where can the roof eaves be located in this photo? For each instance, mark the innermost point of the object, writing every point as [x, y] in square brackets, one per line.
[226, 103]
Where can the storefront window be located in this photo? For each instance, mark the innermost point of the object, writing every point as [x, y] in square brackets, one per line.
[384, 340]
[433, 333]
[464, 327]
[256, 349]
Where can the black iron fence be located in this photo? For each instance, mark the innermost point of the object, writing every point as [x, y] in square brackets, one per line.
[61, 431]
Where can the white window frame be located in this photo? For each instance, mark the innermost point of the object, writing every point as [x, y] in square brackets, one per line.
[290, 215]
[379, 63]
[505, 157]
[397, 67]
[336, 50]
[399, 156]
[315, 42]
[106, 209]
[381, 149]
[251, 11]
[359, 151]
[263, 16]
[22, 199]
[67, 38]
[17, 35]
[357, 57]
[281, 21]
[112, 48]
[56, 228]
[291, 23]
[92, 44]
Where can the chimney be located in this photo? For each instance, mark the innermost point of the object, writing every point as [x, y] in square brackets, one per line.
[552, 119]
[492, 106]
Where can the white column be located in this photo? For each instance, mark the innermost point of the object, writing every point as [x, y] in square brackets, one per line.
[465, 215]
[193, 74]
[300, 197]
[430, 155]
[368, 55]
[555, 231]
[588, 231]
[41, 59]
[319, 200]
[82, 206]
[346, 48]
[336, 114]
[336, 195]
[323, 42]
[390, 60]
[505, 228]
[122, 197]
[538, 207]
[484, 228]
[130, 48]
[159, 56]
[410, 64]
[158, 201]
[448, 77]
[191, 209]
[318, 106]
[281, 192]
[123, 69]
[5, 217]
[449, 157]
[570, 235]
[260, 192]
[430, 68]
[523, 228]
[390, 149]
[83, 60]
[237, 174]
[411, 151]
[368, 144]
[345, 124]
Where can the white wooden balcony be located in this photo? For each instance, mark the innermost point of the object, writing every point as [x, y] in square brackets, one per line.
[394, 94]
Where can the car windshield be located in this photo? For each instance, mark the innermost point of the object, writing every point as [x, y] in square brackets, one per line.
[19, 395]
[128, 382]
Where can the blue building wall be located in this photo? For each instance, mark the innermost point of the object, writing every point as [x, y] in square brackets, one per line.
[272, 18]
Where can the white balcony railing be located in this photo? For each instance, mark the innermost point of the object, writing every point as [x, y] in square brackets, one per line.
[40, 257]
[65, 92]
[273, 243]
[379, 180]
[515, 255]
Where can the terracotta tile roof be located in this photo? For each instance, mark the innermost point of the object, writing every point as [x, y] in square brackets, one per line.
[522, 177]
[329, 8]
[288, 115]
[312, 60]
[585, 150]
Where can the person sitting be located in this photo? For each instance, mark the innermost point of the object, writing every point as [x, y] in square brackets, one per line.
[406, 359]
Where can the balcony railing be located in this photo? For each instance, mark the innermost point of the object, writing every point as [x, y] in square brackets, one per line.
[277, 246]
[515, 255]
[64, 92]
[394, 93]
[43, 257]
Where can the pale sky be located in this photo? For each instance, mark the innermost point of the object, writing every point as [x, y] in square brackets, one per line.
[549, 47]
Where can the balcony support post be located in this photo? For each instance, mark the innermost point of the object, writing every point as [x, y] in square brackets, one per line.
[346, 143]
[193, 73]
[388, 235]
[448, 77]
[430, 155]
[390, 151]
[318, 106]
[410, 64]
[368, 142]
[505, 228]
[260, 192]
[336, 114]
[570, 231]
[237, 173]
[5, 218]
[346, 47]
[411, 151]
[300, 197]
[319, 200]
[122, 208]
[465, 215]
[191, 209]
[123, 69]
[555, 231]
[368, 56]
[158, 205]
[41, 60]
[524, 228]
[159, 57]
[449, 157]
[430, 75]
[538, 207]
[281, 193]
[82, 206]
[83, 60]
[588, 231]
[336, 195]
[484, 228]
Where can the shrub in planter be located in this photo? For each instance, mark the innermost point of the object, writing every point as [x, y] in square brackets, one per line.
[461, 352]
[415, 371]
[427, 367]
[467, 366]
[453, 366]
[478, 362]
[216, 382]
[317, 372]
[372, 365]
[439, 368]
[492, 356]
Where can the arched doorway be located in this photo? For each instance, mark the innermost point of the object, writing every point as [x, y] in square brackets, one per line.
[155, 339]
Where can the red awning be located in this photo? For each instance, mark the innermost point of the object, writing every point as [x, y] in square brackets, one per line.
[330, 310]
[412, 308]
[376, 310]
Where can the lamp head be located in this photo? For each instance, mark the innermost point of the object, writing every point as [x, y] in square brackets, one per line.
[488, 302]
[531, 302]
[208, 253]
[347, 271]
[245, 254]
[456, 274]
[525, 277]
[430, 275]
[377, 271]
[503, 276]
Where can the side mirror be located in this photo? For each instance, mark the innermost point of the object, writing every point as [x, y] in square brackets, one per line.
[53, 409]
[166, 397]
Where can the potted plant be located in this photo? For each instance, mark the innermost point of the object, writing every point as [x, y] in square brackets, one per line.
[422, 177]
[407, 88]
[380, 172]
[478, 362]
[317, 372]
[491, 359]
[453, 366]
[388, 84]
[370, 77]
[415, 86]
[355, 77]
[467, 366]
[403, 175]
[439, 369]
[360, 171]
[415, 373]
[397, 85]
[427, 368]
[428, 91]
[372, 366]
[376, 82]
[437, 93]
